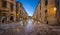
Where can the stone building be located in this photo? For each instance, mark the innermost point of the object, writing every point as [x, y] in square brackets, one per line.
[23, 13]
[7, 11]
[10, 11]
[58, 11]
[49, 12]
[20, 12]
[52, 12]
[36, 15]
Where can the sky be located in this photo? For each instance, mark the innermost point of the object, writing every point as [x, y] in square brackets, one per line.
[29, 5]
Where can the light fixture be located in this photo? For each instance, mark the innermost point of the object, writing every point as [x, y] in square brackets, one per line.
[55, 8]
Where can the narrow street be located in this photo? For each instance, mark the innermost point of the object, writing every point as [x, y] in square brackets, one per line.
[29, 17]
[29, 29]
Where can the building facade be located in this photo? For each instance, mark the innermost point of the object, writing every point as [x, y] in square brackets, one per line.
[49, 12]
[36, 13]
[7, 11]
[58, 11]
[18, 10]
[21, 14]
[11, 11]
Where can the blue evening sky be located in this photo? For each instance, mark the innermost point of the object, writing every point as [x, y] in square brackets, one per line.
[29, 5]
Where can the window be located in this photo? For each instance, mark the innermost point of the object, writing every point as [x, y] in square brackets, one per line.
[20, 5]
[40, 4]
[0, 11]
[11, 18]
[4, 4]
[46, 15]
[16, 9]
[45, 11]
[47, 22]
[40, 14]
[58, 3]
[11, 6]
[46, 2]
[40, 7]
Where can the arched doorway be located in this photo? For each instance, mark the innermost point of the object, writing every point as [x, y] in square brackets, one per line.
[4, 18]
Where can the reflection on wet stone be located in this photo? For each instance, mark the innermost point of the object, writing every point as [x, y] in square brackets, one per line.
[28, 29]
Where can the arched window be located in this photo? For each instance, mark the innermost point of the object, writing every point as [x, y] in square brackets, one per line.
[57, 3]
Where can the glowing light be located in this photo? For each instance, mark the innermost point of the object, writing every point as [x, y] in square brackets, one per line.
[54, 8]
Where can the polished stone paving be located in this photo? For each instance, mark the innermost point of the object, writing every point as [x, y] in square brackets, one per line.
[29, 29]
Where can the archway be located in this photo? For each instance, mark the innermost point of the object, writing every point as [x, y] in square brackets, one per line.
[4, 18]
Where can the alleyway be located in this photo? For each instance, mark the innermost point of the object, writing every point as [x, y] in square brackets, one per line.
[29, 29]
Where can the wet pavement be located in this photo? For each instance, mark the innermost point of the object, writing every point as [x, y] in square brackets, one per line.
[30, 28]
